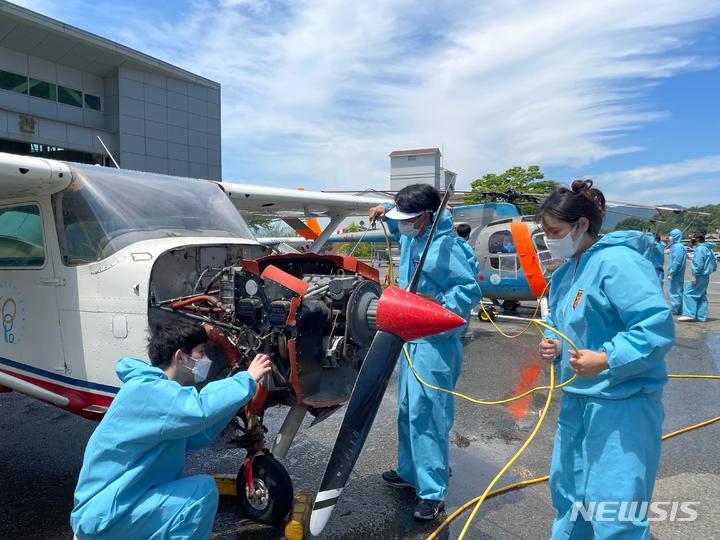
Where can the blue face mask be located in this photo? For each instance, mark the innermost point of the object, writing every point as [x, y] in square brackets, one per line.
[407, 229]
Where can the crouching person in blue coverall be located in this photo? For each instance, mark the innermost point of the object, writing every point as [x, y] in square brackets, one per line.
[425, 416]
[606, 298]
[676, 271]
[130, 485]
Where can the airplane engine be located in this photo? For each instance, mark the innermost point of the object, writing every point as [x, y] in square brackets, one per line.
[317, 326]
[314, 315]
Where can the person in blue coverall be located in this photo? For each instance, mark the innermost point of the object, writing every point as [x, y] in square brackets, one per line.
[676, 271]
[655, 253]
[130, 484]
[425, 416]
[606, 299]
[695, 302]
[463, 231]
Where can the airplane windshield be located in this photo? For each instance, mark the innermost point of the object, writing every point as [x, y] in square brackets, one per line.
[104, 210]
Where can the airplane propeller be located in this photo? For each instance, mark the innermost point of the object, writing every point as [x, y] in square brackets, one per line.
[401, 317]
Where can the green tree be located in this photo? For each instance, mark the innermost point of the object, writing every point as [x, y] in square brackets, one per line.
[363, 249]
[634, 224]
[516, 179]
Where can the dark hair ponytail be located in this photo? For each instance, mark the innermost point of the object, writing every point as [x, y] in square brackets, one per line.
[581, 200]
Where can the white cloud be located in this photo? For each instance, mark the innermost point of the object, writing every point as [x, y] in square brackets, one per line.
[318, 92]
[692, 182]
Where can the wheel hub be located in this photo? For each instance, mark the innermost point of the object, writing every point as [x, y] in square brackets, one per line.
[260, 498]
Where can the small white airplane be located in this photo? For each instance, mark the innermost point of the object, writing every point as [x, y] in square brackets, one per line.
[92, 257]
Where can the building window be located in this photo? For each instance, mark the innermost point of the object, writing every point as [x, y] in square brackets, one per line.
[68, 96]
[21, 238]
[43, 89]
[49, 91]
[93, 102]
[412, 158]
[13, 82]
[52, 152]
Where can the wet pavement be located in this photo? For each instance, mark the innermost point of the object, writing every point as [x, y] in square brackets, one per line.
[41, 452]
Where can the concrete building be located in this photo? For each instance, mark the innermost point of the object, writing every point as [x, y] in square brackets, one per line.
[423, 166]
[61, 87]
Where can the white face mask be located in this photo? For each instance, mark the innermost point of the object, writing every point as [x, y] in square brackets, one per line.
[565, 247]
[201, 369]
[407, 229]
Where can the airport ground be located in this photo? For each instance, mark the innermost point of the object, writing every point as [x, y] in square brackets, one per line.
[41, 452]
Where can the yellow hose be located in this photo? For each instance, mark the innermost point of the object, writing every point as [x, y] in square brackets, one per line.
[524, 483]
[389, 276]
[521, 332]
[515, 457]
[477, 501]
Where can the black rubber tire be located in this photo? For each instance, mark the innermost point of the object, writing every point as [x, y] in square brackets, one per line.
[487, 315]
[279, 486]
[510, 305]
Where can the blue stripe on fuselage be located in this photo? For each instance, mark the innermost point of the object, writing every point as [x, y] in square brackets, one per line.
[60, 378]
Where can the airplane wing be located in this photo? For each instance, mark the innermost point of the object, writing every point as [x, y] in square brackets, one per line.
[373, 235]
[26, 175]
[264, 202]
[267, 202]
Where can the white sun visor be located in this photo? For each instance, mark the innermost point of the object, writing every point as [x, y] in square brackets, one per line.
[396, 214]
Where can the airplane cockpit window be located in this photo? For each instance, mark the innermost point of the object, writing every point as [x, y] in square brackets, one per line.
[104, 210]
[21, 237]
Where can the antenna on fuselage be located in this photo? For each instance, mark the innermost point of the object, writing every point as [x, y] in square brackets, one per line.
[108, 152]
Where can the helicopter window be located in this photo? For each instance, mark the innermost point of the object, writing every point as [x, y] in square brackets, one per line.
[104, 210]
[539, 241]
[21, 238]
[502, 249]
[501, 242]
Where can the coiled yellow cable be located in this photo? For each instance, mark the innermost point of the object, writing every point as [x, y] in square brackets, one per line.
[476, 401]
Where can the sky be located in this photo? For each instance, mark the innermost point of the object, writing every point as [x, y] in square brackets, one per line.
[317, 93]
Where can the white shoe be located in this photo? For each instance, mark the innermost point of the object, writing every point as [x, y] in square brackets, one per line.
[686, 319]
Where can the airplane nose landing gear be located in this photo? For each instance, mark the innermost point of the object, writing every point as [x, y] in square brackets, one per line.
[271, 497]
[263, 486]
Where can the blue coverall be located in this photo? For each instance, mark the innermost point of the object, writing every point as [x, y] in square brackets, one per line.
[425, 416]
[695, 302]
[655, 253]
[130, 485]
[607, 443]
[676, 270]
[470, 254]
